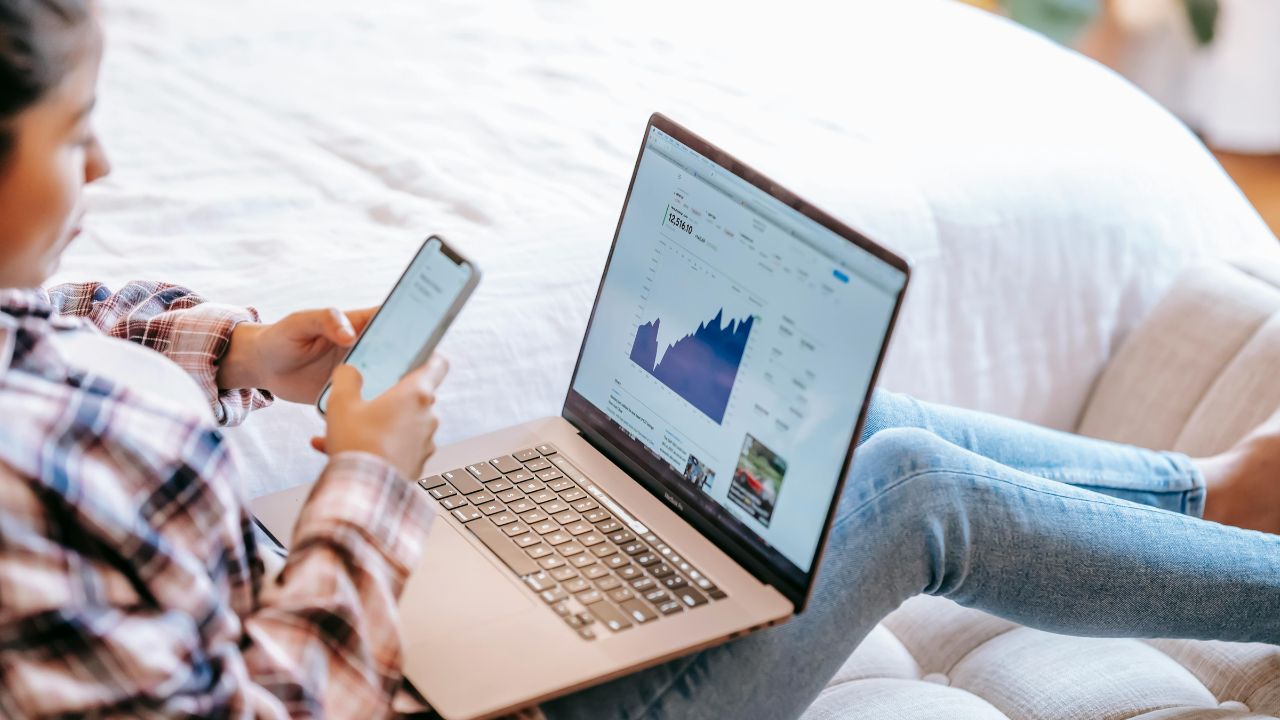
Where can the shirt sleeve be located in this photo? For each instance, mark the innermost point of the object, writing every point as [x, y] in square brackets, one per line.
[175, 322]
[321, 641]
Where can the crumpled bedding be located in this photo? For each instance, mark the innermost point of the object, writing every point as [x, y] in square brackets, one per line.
[293, 154]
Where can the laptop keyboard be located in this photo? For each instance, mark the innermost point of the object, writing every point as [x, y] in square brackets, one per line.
[588, 558]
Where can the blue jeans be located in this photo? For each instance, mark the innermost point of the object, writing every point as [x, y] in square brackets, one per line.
[1048, 529]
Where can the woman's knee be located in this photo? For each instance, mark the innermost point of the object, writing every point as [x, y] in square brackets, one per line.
[895, 454]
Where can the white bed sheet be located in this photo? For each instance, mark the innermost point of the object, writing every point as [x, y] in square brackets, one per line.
[292, 154]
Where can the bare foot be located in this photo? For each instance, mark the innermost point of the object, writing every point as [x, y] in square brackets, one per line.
[1243, 483]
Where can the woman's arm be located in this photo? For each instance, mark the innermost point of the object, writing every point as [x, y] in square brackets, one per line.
[108, 617]
[174, 321]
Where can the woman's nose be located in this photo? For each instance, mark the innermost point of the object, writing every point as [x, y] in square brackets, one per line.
[96, 163]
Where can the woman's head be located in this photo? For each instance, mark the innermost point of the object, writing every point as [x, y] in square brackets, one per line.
[49, 55]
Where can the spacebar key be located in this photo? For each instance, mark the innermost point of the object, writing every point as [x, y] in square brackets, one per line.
[503, 547]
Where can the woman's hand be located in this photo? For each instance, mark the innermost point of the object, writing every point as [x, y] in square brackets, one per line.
[398, 425]
[293, 358]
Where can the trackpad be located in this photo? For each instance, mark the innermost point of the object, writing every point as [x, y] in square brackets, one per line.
[457, 580]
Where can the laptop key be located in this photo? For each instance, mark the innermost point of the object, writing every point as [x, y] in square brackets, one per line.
[514, 529]
[545, 496]
[691, 597]
[609, 526]
[559, 537]
[525, 455]
[670, 607]
[582, 560]
[716, 593]
[519, 476]
[584, 505]
[505, 464]
[622, 536]
[675, 582]
[657, 597]
[511, 496]
[570, 549]
[586, 633]
[616, 561]
[498, 486]
[551, 562]
[503, 518]
[533, 517]
[568, 517]
[578, 528]
[545, 527]
[608, 582]
[590, 596]
[540, 581]
[603, 551]
[443, 492]
[574, 494]
[576, 585]
[484, 472]
[558, 485]
[555, 506]
[629, 572]
[647, 559]
[528, 539]
[595, 571]
[522, 505]
[564, 573]
[456, 501]
[660, 571]
[467, 514]
[431, 481]
[501, 545]
[631, 548]
[621, 594]
[639, 611]
[537, 465]
[532, 486]
[644, 584]
[610, 616]
[550, 474]
[492, 508]
[591, 539]
[547, 449]
[554, 595]
[481, 497]
[595, 516]
[538, 551]
[462, 481]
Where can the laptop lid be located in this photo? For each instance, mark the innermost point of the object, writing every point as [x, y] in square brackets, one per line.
[729, 358]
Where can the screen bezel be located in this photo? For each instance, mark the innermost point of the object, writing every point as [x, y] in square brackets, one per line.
[656, 476]
[432, 340]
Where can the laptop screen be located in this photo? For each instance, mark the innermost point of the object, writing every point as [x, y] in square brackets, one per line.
[732, 347]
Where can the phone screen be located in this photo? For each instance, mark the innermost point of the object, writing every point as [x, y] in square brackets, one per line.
[408, 319]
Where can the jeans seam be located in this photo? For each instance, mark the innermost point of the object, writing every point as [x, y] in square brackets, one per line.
[1100, 500]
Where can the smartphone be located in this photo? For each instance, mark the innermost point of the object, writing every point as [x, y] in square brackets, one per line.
[406, 329]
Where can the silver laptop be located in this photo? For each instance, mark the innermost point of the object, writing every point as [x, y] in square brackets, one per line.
[683, 496]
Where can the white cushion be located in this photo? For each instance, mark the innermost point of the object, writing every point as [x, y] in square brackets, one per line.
[1199, 372]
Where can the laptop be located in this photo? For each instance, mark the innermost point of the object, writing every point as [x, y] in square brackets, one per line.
[683, 496]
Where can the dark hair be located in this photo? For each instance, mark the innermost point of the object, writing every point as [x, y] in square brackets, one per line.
[34, 53]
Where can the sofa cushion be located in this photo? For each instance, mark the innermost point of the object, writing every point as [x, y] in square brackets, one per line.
[1200, 371]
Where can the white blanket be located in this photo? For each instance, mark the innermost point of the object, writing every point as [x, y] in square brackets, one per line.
[293, 154]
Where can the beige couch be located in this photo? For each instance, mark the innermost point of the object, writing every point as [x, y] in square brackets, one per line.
[1201, 370]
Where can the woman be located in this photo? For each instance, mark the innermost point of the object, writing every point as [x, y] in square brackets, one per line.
[131, 584]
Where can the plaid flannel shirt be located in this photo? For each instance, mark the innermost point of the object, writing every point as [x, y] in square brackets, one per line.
[130, 581]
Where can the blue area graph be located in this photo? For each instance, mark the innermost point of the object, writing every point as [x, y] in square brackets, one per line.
[701, 367]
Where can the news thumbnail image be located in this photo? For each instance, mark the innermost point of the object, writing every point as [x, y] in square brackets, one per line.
[698, 474]
[757, 480]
